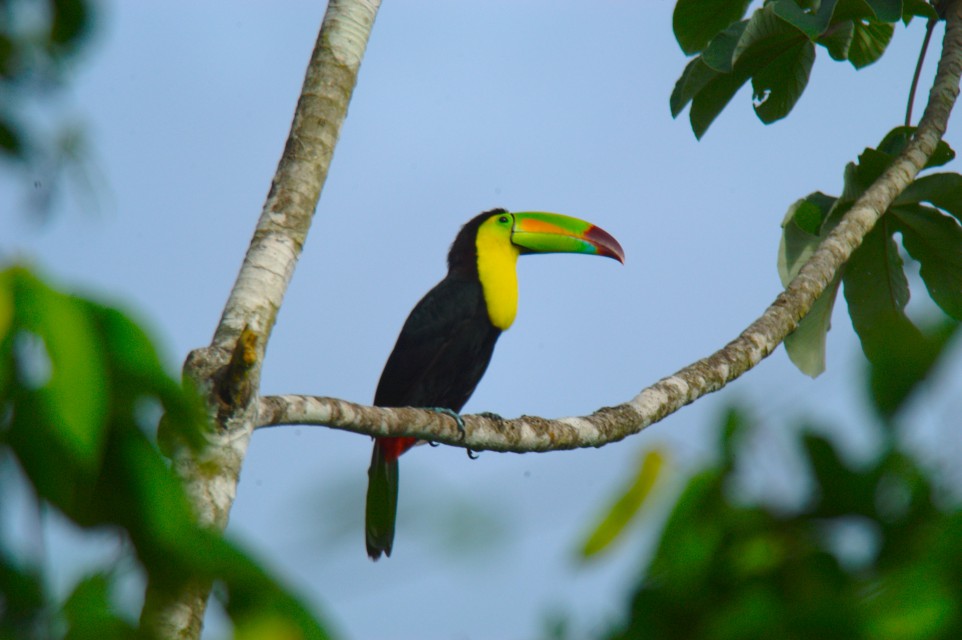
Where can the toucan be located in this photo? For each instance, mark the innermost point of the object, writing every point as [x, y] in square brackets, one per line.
[446, 343]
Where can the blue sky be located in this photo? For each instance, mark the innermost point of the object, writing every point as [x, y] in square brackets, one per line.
[460, 107]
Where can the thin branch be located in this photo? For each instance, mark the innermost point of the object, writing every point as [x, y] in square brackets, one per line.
[929, 28]
[705, 376]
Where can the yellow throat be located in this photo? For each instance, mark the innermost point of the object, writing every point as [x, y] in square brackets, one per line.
[497, 270]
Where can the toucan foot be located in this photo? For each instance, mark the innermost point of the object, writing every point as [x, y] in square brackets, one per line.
[491, 415]
[454, 414]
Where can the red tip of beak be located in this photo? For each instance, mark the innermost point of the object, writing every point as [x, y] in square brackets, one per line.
[605, 243]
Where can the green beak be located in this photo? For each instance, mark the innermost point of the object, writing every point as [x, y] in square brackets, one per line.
[539, 232]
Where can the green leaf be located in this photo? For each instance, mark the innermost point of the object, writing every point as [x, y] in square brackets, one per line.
[869, 41]
[6, 304]
[919, 8]
[806, 345]
[720, 51]
[696, 22]
[812, 24]
[944, 190]
[693, 79]
[89, 612]
[779, 85]
[11, 142]
[70, 21]
[804, 227]
[693, 535]
[905, 361]
[853, 10]
[871, 165]
[913, 603]
[710, 101]
[735, 429]
[877, 291]
[22, 597]
[71, 404]
[886, 10]
[779, 58]
[895, 140]
[765, 37]
[935, 241]
[830, 472]
[838, 39]
[801, 228]
[620, 514]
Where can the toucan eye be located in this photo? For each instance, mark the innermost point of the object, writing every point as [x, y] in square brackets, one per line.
[503, 219]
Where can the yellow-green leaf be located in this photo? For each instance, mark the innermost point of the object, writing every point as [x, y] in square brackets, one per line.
[621, 513]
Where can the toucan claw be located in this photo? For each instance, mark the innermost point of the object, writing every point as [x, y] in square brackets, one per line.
[454, 414]
[474, 455]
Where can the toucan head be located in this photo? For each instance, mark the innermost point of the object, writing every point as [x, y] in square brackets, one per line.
[533, 232]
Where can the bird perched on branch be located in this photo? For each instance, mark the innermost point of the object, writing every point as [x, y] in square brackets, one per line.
[447, 340]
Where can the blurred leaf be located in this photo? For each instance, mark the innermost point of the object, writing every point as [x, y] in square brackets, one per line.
[138, 373]
[830, 473]
[620, 514]
[89, 612]
[908, 357]
[6, 304]
[913, 604]
[692, 535]
[70, 22]
[266, 625]
[11, 142]
[696, 22]
[71, 405]
[730, 568]
[935, 241]
[130, 486]
[22, 599]
[735, 429]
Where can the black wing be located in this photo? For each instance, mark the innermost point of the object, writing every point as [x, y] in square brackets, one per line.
[442, 351]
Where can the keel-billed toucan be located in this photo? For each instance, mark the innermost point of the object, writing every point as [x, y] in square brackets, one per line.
[447, 341]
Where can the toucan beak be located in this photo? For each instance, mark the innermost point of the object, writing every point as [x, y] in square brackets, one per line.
[539, 232]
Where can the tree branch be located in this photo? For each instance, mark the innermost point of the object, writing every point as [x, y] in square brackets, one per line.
[227, 373]
[709, 374]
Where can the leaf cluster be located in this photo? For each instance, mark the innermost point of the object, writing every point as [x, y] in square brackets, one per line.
[774, 48]
[925, 217]
[81, 389]
[726, 569]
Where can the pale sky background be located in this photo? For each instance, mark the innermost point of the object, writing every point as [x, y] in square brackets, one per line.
[460, 107]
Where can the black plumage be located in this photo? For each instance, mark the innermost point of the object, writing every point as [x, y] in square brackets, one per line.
[440, 356]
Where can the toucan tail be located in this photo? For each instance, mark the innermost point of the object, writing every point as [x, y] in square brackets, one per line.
[381, 512]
